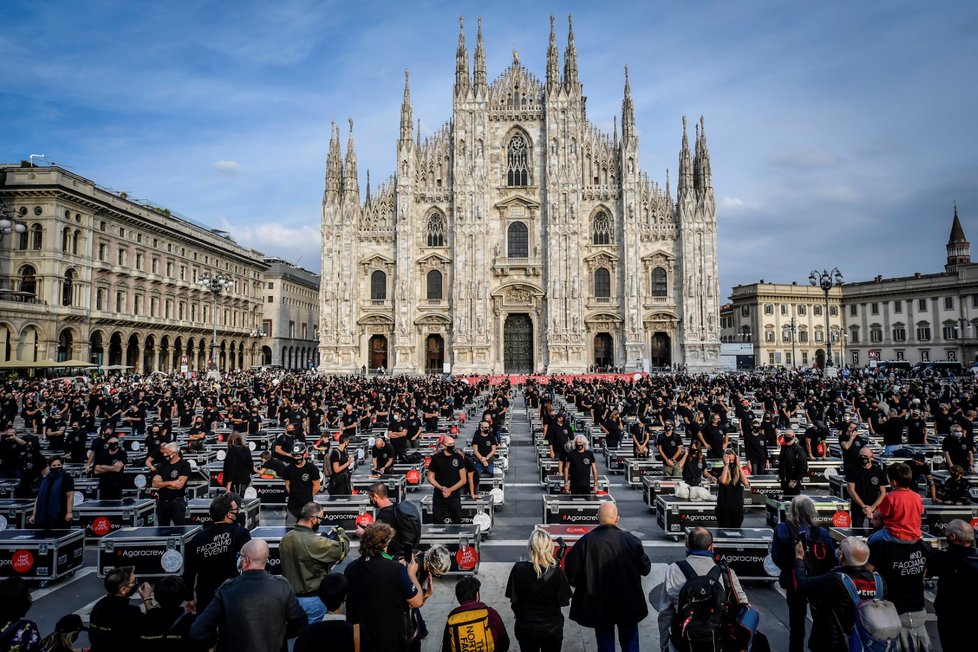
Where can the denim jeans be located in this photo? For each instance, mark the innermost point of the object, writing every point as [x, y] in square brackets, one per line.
[486, 470]
[627, 637]
[314, 608]
[882, 534]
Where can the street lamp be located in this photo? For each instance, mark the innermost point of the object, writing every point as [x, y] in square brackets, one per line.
[791, 328]
[8, 226]
[826, 280]
[216, 285]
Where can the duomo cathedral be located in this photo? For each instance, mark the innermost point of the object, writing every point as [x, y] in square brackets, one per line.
[519, 238]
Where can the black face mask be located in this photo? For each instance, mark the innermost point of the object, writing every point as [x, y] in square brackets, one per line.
[449, 449]
[580, 447]
[315, 526]
[114, 447]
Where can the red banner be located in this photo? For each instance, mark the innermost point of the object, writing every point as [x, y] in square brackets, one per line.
[546, 379]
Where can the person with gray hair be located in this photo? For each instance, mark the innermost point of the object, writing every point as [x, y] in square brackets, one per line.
[957, 575]
[835, 613]
[170, 483]
[581, 469]
[254, 612]
[799, 527]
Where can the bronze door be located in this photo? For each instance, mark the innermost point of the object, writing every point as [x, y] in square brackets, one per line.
[378, 352]
[434, 354]
[660, 354]
[518, 344]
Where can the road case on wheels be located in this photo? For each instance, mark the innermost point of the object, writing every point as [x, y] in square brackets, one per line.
[936, 517]
[568, 509]
[347, 512]
[475, 511]
[199, 512]
[41, 556]
[396, 484]
[674, 514]
[153, 551]
[14, 512]
[569, 534]
[555, 484]
[831, 511]
[462, 541]
[653, 486]
[744, 550]
[637, 468]
[100, 517]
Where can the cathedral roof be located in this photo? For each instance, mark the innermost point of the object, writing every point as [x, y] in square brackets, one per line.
[516, 88]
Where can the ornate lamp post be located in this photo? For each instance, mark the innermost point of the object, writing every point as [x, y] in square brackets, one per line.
[8, 226]
[216, 285]
[790, 329]
[826, 280]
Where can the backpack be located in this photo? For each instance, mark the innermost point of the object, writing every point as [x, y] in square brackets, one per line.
[408, 523]
[328, 466]
[468, 631]
[698, 624]
[818, 556]
[878, 625]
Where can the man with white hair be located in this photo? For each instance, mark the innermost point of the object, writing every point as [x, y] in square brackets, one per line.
[957, 573]
[835, 612]
[170, 483]
[580, 469]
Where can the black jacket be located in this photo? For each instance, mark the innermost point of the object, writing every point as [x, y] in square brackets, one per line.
[831, 604]
[792, 463]
[238, 466]
[605, 567]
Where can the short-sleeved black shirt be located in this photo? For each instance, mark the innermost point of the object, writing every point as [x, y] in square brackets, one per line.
[382, 456]
[581, 463]
[958, 448]
[901, 565]
[670, 441]
[379, 591]
[169, 472]
[300, 485]
[868, 482]
[446, 468]
[483, 442]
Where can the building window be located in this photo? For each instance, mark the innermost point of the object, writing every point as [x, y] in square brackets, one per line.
[803, 336]
[169, 270]
[120, 301]
[852, 310]
[122, 232]
[817, 310]
[67, 288]
[266, 327]
[28, 279]
[122, 258]
[602, 283]
[434, 285]
[770, 357]
[854, 335]
[101, 225]
[137, 304]
[517, 241]
[65, 240]
[804, 357]
[601, 229]
[183, 273]
[271, 285]
[378, 286]
[948, 303]
[745, 311]
[949, 331]
[784, 309]
[922, 305]
[22, 242]
[819, 337]
[898, 307]
[435, 230]
[100, 299]
[102, 251]
[37, 237]
[769, 335]
[923, 332]
[660, 286]
[292, 329]
[802, 310]
[768, 308]
[517, 159]
[271, 299]
[181, 310]
[833, 311]
[899, 333]
[974, 300]
[875, 333]
[304, 332]
[155, 266]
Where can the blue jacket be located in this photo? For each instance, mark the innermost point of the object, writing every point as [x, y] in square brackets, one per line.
[783, 549]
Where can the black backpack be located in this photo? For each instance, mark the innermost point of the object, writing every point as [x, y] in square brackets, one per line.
[698, 624]
[408, 523]
[819, 558]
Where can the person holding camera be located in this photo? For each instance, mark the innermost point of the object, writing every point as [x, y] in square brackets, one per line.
[730, 492]
[308, 557]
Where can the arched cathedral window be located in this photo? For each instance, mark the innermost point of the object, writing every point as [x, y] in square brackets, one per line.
[659, 286]
[601, 229]
[378, 286]
[518, 162]
[518, 241]
[435, 230]
[434, 289]
[602, 283]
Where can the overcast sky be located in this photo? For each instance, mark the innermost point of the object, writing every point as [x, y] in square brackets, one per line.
[840, 132]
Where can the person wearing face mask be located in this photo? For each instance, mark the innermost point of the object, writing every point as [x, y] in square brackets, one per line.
[55, 498]
[301, 483]
[730, 492]
[382, 456]
[755, 447]
[484, 444]
[792, 464]
[307, 558]
[956, 569]
[447, 475]
[957, 449]
[339, 463]
[170, 482]
[397, 433]
[581, 468]
[867, 488]
[76, 443]
[212, 554]
[955, 490]
[115, 622]
[108, 465]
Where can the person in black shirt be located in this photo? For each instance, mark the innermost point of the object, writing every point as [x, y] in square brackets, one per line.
[314, 420]
[254, 421]
[135, 418]
[334, 626]
[397, 433]
[284, 444]
[713, 438]
[558, 434]
[956, 569]
[694, 466]
[413, 425]
[916, 428]
[340, 462]
[755, 448]
[272, 467]
[955, 490]
[382, 456]
[154, 446]
[447, 475]
[613, 428]
[641, 438]
[902, 564]
[815, 441]
[538, 589]
[349, 420]
[54, 432]
[170, 482]
[851, 443]
[114, 622]
[730, 492]
[484, 444]
[166, 626]
[55, 498]
[671, 451]
[792, 465]
[581, 468]
[108, 465]
[301, 483]
[920, 469]
[867, 487]
[957, 449]
[76, 443]
[238, 465]
[211, 556]
[892, 432]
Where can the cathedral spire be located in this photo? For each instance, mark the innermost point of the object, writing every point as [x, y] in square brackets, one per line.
[685, 166]
[958, 247]
[480, 61]
[627, 112]
[407, 114]
[334, 164]
[419, 134]
[553, 65]
[570, 57]
[351, 187]
[462, 80]
[614, 131]
[668, 189]
[703, 176]
[367, 200]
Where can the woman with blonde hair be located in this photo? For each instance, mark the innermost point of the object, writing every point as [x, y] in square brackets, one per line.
[537, 589]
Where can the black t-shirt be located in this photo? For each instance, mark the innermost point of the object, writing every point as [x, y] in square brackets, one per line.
[396, 425]
[558, 434]
[382, 456]
[167, 629]
[112, 479]
[916, 430]
[868, 482]
[211, 559]
[713, 437]
[114, 624]
[850, 456]
[338, 632]
[958, 449]
[413, 426]
[169, 472]
[893, 431]
[300, 485]
[76, 445]
[919, 471]
[754, 441]
[483, 442]
[447, 469]
[340, 457]
[285, 441]
[693, 470]
[379, 591]
[901, 565]
[730, 496]
[670, 441]
[537, 601]
[581, 463]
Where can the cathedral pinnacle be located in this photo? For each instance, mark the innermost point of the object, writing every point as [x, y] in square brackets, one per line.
[703, 178]
[480, 61]
[462, 80]
[350, 184]
[685, 166]
[407, 115]
[627, 112]
[553, 65]
[334, 163]
[570, 57]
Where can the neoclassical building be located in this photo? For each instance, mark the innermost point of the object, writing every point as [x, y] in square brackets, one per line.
[290, 315]
[519, 237]
[99, 277]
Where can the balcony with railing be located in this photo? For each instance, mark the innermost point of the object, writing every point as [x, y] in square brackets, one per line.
[506, 265]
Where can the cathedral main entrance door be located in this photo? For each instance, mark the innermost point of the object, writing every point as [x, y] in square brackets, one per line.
[518, 344]
[604, 355]
[660, 355]
[434, 354]
[378, 352]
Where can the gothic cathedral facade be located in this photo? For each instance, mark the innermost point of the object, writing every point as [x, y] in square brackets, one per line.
[519, 238]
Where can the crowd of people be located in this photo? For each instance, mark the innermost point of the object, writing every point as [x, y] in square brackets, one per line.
[225, 597]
